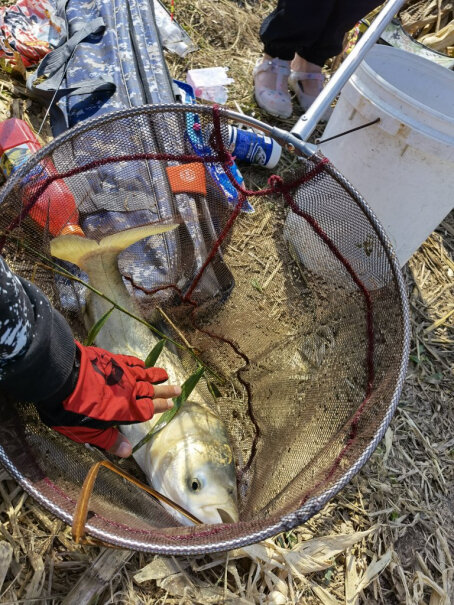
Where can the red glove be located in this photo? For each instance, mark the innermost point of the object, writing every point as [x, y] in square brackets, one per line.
[111, 389]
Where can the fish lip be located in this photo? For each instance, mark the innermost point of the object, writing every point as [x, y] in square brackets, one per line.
[223, 513]
[226, 517]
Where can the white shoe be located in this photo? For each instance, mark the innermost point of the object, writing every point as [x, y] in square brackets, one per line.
[296, 83]
[272, 99]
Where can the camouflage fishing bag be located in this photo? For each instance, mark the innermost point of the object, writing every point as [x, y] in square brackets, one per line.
[111, 58]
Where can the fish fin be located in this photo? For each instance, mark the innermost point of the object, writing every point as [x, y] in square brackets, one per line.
[72, 248]
[123, 239]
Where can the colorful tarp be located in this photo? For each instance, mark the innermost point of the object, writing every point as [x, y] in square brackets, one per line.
[28, 31]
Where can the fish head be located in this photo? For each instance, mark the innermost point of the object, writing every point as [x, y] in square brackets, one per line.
[200, 476]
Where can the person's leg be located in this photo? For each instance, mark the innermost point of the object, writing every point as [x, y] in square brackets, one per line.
[344, 14]
[282, 32]
[294, 24]
[306, 79]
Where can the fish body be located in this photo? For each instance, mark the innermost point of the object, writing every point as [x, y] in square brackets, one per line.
[190, 460]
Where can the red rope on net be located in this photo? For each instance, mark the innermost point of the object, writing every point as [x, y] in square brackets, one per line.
[226, 159]
[216, 246]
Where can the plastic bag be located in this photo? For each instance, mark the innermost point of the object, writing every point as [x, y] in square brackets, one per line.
[28, 31]
[173, 36]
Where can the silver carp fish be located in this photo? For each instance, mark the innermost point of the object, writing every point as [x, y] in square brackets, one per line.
[190, 460]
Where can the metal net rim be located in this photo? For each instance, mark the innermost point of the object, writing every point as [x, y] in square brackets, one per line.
[313, 504]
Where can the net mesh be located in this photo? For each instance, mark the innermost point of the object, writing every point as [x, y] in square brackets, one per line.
[299, 308]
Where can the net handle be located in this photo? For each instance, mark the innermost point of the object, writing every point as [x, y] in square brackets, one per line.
[80, 515]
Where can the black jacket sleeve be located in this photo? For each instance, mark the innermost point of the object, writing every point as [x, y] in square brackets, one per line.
[37, 349]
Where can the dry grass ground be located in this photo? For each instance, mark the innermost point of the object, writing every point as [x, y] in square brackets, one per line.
[387, 538]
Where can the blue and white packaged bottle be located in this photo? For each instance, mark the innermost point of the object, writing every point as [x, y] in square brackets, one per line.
[253, 148]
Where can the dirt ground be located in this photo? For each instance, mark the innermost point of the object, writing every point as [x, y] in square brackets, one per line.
[388, 537]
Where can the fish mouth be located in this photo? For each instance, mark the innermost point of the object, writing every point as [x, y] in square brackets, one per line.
[225, 516]
[212, 514]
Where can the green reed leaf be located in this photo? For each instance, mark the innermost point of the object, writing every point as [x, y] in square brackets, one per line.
[97, 328]
[215, 392]
[186, 389]
[155, 352]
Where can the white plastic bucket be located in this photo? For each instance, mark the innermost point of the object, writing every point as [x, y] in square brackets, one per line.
[404, 165]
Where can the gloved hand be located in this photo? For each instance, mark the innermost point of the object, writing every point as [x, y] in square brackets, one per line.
[110, 389]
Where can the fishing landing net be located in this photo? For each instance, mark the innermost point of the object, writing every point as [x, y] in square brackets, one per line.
[299, 309]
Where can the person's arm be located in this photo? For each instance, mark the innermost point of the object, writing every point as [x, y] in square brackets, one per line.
[81, 392]
[37, 348]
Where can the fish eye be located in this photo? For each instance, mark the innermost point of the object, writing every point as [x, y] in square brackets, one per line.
[195, 484]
